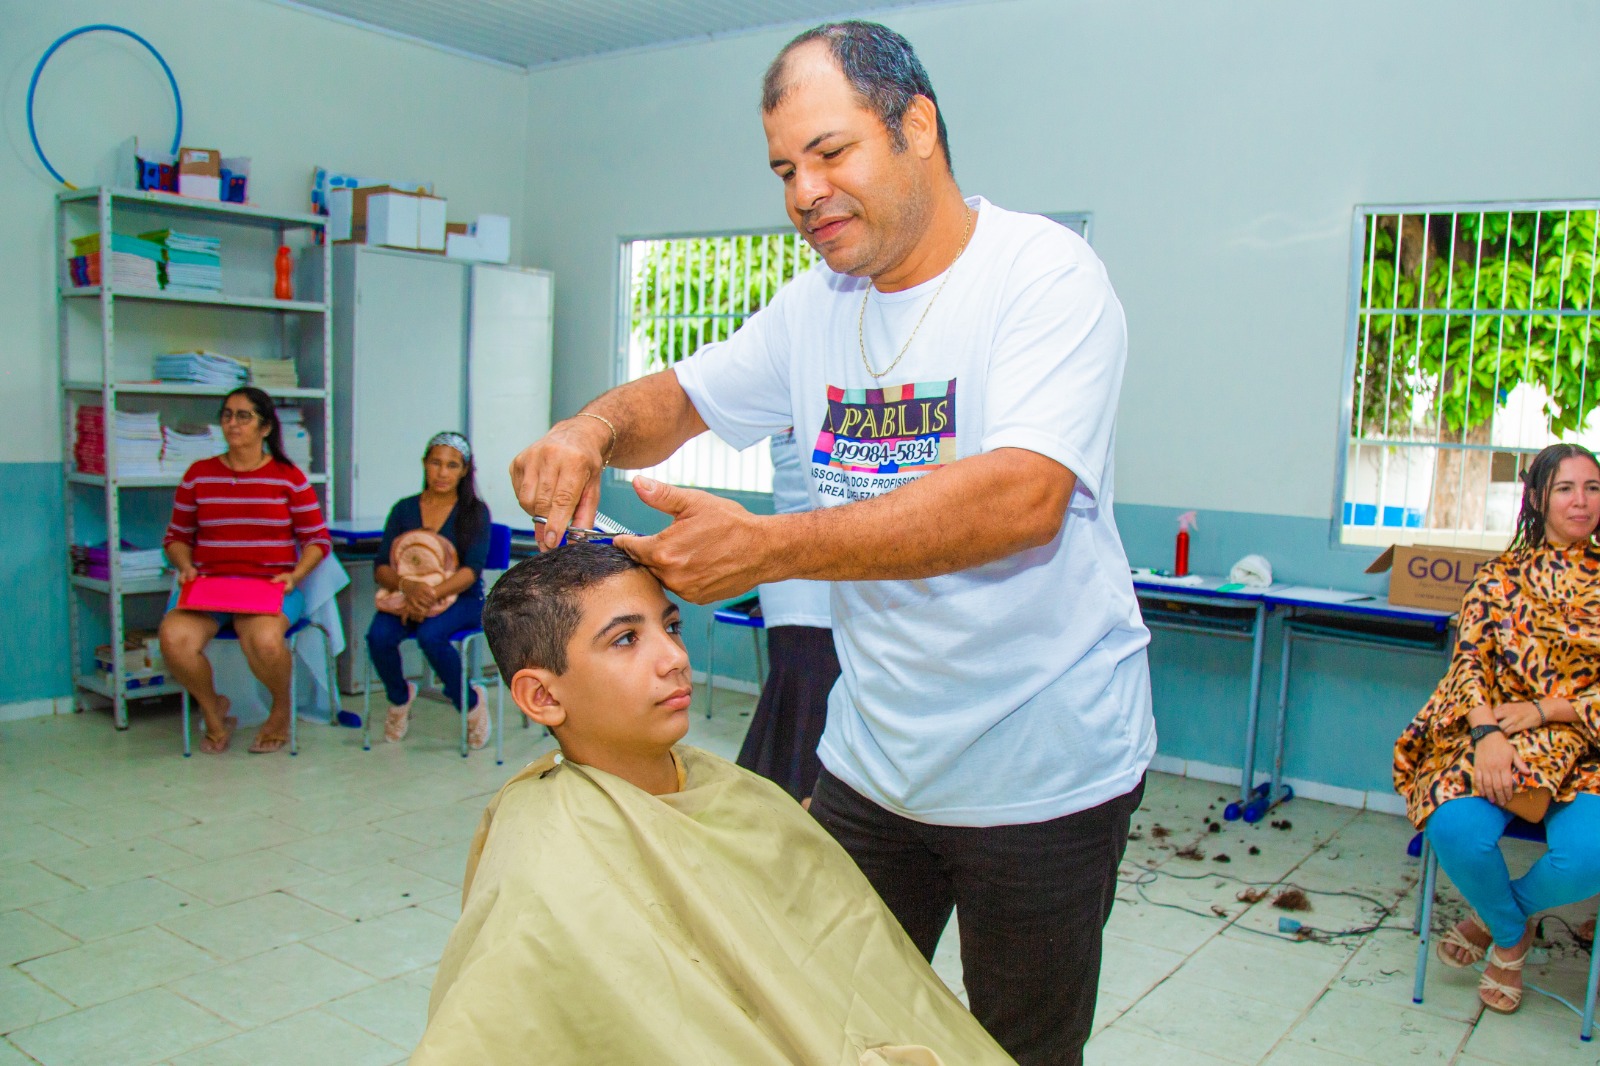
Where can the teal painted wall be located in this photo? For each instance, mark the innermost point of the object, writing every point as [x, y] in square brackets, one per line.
[33, 573]
[1346, 704]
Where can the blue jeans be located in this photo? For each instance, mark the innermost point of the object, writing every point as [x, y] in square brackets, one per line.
[387, 632]
[1465, 834]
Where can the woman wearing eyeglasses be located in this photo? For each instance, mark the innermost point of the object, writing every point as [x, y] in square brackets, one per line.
[248, 512]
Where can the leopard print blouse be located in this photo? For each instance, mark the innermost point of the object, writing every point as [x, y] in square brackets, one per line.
[1530, 628]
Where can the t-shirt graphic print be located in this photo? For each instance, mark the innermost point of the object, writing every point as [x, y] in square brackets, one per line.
[874, 440]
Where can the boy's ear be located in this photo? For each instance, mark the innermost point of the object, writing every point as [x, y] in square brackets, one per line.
[530, 689]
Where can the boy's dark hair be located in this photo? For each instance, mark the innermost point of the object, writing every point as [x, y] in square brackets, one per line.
[533, 610]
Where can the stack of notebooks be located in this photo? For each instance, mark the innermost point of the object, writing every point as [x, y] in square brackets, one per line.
[272, 374]
[189, 263]
[89, 442]
[296, 441]
[182, 447]
[202, 368]
[138, 443]
[94, 560]
[135, 262]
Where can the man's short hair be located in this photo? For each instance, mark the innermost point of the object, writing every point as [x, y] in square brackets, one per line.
[534, 608]
[878, 62]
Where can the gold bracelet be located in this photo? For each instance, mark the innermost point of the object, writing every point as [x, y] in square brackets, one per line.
[606, 461]
[1538, 705]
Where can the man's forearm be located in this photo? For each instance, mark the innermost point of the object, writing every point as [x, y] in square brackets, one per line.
[971, 512]
[652, 416]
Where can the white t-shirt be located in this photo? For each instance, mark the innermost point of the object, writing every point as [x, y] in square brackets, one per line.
[1013, 692]
[792, 603]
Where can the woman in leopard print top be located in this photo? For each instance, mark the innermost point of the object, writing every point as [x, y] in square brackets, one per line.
[1518, 712]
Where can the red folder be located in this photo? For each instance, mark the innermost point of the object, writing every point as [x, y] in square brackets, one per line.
[236, 595]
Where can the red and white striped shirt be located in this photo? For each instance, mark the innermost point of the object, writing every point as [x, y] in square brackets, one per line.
[254, 524]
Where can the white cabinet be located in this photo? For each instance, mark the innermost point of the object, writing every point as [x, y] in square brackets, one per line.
[424, 344]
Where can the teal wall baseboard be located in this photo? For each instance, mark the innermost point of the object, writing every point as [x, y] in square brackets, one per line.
[1346, 704]
[33, 628]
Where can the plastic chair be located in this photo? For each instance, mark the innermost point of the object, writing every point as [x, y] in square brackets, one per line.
[746, 613]
[293, 635]
[1423, 923]
[467, 642]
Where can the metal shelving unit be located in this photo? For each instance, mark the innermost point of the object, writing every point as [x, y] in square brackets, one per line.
[87, 318]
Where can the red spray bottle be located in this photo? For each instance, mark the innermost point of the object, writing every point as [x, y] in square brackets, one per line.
[1180, 557]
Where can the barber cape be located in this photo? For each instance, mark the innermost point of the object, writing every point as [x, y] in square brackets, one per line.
[716, 925]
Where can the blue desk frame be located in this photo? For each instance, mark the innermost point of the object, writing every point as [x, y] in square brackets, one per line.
[1208, 594]
[1338, 623]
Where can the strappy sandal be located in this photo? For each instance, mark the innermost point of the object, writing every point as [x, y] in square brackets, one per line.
[478, 726]
[398, 721]
[1453, 937]
[1489, 984]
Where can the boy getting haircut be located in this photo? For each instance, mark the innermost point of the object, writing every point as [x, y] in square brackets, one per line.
[633, 900]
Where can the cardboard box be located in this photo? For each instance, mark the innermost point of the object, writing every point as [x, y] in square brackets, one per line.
[200, 173]
[430, 223]
[488, 240]
[390, 216]
[1435, 579]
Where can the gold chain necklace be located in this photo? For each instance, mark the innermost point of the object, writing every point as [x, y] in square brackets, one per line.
[861, 318]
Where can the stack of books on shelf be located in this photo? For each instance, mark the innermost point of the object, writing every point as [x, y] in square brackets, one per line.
[138, 443]
[135, 263]
[183, 446]
[189, 263]
[272, 374]
[89, 441]
[296, 441]
[94, 560]
[202, 368]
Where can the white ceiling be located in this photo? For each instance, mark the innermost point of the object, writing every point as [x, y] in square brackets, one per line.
[536, 33]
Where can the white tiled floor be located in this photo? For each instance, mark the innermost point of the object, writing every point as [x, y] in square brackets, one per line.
[265, 910]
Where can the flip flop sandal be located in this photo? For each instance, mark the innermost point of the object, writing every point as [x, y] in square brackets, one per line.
[478, 726]
[1452, 937]
[1489, 984]
[398, 721]
[217, 747]
[269, 745]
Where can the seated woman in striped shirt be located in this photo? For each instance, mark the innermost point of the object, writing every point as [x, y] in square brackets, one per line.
[249, 512]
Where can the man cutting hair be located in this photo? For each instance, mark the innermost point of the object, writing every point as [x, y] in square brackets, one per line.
[952, 372]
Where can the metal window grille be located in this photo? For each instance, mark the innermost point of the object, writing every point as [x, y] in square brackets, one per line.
[685, 292]
[1473, 344]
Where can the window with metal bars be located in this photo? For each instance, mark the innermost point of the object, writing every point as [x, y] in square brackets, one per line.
[1473, 344]
[684, 292]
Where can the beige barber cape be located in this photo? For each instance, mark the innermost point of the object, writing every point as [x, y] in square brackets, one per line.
[717, 925]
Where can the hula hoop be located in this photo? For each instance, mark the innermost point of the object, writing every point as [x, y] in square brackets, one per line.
[33, 84]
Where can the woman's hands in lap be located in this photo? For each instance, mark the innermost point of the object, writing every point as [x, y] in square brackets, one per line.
[1495, 766]
[1513, 718]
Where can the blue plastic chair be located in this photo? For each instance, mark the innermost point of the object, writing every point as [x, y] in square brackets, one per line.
[746, 613]
[293, 635]
[1423, 924]
[467, 642]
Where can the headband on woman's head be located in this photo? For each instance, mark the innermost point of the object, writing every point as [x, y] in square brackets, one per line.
[450, 440]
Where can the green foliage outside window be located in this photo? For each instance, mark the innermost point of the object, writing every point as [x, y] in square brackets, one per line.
[692, 291]
[1464, 366]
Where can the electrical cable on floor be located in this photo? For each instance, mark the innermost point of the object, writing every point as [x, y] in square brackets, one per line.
[1149, 875]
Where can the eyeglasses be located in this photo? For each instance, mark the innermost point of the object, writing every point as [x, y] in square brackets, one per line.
[244, 418]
